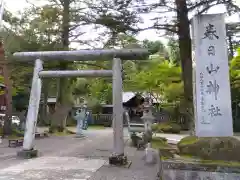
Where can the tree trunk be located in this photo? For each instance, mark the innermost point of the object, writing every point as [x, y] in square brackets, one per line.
[7, 130]
[43, 117]
[185, 54]
[231, 48]
[64, 89]
[65, 24]
[8, 114]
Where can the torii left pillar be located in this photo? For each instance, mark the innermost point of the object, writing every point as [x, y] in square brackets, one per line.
[28, 150]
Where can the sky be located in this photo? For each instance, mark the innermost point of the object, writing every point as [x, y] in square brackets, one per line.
[19, 5]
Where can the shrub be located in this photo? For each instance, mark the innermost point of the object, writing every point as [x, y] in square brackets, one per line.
[166, 127]
[52, 129]
[158, 142]
[43, 123]
[211, 148]
[16, 132]
[155, 127]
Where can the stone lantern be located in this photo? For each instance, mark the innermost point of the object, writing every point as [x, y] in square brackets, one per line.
[148, 119]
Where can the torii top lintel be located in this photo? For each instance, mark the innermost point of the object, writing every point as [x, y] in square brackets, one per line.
[84, 55]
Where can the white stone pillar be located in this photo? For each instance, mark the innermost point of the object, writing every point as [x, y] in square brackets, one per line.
[117, 107]
[33, 107]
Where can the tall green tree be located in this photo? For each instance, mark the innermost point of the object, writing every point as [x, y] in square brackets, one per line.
[56, 24]
[233, 30]
[37, 32]
[161, 79]
[155, 47]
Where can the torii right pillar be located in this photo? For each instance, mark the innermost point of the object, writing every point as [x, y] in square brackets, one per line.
[118, 157]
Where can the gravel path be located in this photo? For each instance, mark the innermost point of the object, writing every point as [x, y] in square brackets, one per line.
[69, 158]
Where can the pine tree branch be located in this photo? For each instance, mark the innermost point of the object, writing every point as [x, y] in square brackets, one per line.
[167, 27]
[199, 4]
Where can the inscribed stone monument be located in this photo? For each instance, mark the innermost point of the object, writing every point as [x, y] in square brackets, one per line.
[211, 76]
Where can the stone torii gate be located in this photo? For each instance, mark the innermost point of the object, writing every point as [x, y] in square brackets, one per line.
[117, 55]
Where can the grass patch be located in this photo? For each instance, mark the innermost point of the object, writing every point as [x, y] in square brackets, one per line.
[166, 127]
[166, 151]
[15, 133]
[158, 142]
[12, 137]
[223, 163]
[188, 140]
[165, 158]
[64, 133]
[97, 127]
[210, 162]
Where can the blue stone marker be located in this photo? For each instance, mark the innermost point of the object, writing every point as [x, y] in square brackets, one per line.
[85, 121]
[80, 117]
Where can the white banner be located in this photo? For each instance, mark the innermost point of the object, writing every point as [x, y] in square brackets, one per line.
[212, 88]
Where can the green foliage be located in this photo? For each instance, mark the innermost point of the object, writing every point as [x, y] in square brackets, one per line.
[101, 90]
[235, 89]
[154, 76]
[129, 67]
[154, 47]
[63, 133]
[174, 92]
[40, 29]
[159, 77]
[235, 71]
[126, 41]
[80, 87]
[155, 127]
[94, 104]
[1, 131]
[56, 129]
[158, 142]
[17, 132]
[2, 79]
[188, 140]
[173, 51]
[41, 32]
[166, 127]
[26, 34]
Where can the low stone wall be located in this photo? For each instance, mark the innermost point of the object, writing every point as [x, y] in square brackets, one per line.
[101, 119]
[179, 170]
[104, 119]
